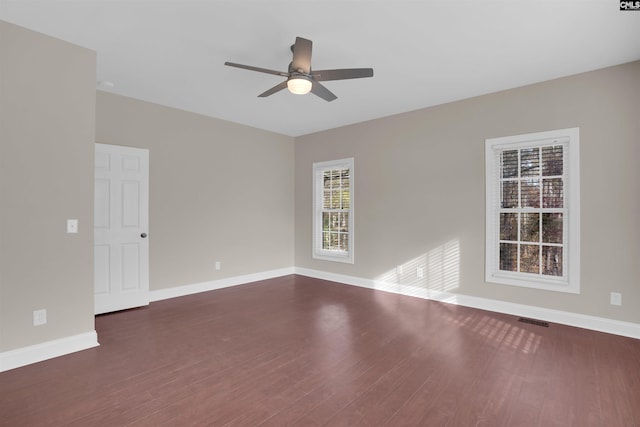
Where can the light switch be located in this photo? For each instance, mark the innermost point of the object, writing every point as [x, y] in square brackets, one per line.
[72, 226]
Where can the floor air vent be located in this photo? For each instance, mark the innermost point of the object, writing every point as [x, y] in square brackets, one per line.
[534, 322]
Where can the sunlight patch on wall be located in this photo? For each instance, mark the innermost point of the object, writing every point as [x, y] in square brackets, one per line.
[433, 274]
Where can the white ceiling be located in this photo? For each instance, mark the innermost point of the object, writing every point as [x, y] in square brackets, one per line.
[423, 53]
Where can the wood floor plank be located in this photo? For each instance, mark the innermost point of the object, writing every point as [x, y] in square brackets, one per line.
[306, 393]
[295, 351]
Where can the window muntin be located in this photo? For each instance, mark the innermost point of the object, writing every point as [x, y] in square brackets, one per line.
[533, 210]
[333, 210]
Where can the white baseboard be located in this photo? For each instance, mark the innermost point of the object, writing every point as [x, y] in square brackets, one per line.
[600, 324]
[195, 288]
[47, 350]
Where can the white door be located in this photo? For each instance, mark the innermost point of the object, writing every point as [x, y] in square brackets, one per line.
[121, 211]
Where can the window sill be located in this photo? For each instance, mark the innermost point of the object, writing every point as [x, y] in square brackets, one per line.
[332, 256]
[535, 282]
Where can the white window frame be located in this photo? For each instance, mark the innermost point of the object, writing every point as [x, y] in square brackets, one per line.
[318, 170]
[570, 281]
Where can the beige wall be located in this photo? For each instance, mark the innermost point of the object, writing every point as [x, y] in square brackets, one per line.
[419, 189]
[47, 120]
[218, 191]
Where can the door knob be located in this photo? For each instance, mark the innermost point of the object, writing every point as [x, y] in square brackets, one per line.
[143, 235]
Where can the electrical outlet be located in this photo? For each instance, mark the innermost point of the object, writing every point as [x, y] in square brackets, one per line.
[399, 270]
[616, 298]
[72, 226]
[420, 272]
[218, 266]
[39, 317]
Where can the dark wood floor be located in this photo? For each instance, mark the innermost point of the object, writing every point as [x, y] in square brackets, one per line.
[304, 352]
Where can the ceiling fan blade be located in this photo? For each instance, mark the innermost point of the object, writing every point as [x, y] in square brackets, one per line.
[258, 69]
[274, 89]
[342, 74]
[322, 92]
[302, 55]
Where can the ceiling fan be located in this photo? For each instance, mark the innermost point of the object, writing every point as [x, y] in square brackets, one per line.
[301, 79]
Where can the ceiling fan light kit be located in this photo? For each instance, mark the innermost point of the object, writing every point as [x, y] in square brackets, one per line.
[299, 85]
[301, 79]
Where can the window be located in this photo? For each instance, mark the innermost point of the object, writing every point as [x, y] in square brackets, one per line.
[532, 210]
[333, 210]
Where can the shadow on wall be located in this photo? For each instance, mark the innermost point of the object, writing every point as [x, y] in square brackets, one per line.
[432, 275]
